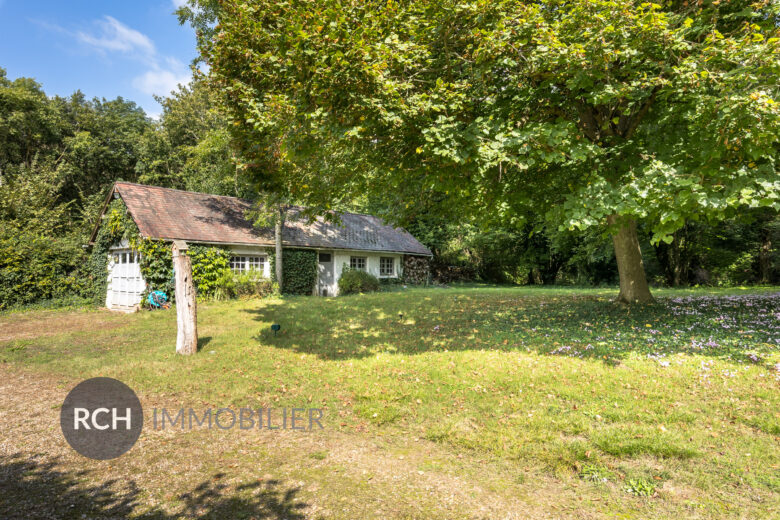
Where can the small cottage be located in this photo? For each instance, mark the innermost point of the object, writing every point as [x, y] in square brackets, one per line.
[360, 241]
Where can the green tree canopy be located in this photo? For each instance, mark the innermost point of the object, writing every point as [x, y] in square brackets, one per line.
[588, 112]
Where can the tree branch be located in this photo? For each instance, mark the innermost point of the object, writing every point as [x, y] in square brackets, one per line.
[637, 119]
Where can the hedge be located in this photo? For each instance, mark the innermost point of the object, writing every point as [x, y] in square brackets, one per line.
[299, 268]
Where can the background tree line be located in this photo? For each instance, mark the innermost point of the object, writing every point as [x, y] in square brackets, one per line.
[59, 157]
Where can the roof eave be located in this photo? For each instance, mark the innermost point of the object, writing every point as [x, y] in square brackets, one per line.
[106, 202]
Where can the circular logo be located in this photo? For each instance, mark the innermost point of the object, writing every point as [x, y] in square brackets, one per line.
[101, 418]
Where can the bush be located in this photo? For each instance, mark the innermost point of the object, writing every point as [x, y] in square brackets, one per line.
[243, 285]
[354, 281]
[38, 268]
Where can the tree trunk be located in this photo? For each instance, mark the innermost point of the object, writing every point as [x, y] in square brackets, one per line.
[278, 227]
[633, 283]
[765, 255]
[186, 309]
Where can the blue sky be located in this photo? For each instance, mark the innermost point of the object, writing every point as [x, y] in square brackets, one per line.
[109, 48]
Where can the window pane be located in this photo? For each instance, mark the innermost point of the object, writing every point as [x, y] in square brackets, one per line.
[357, 262]
[325, 257]
[386, 266]
[256, 263]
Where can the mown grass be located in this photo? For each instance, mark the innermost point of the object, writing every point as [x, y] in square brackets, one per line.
[675, 402]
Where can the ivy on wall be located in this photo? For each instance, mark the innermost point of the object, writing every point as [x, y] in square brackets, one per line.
[116, 226]
[209, 263]
[299, 270]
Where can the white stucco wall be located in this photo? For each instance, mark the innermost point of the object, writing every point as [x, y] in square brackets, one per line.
[341, 258]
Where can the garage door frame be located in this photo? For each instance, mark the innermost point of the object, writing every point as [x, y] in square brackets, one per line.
[125, 282]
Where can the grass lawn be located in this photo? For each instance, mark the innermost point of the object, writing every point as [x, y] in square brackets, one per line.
[468, 402]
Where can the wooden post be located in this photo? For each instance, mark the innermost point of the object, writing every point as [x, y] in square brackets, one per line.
[186, 308]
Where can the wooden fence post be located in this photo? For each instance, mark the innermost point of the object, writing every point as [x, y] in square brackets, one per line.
[186, 307]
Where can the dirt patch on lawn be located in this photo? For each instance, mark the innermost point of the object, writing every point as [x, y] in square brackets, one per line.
[174, 473]
[30, 325]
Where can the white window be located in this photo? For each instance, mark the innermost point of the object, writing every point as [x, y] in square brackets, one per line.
[238, 264]
[357, 262]
[243, 264]
[127, 258]
[386, 266]
[256, 263]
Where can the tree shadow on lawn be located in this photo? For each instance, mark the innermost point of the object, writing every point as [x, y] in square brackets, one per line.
[743, 328]
[34, 487]
[203, 341]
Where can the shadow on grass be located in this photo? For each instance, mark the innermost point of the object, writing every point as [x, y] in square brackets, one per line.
[32, 487]
[203, 341]
[742, 328]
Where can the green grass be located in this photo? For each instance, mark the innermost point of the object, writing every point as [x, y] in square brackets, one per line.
[561, 382]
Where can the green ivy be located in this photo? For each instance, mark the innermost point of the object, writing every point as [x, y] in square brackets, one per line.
[157, 266]
[35, 268]
[209, 263]
[117, 226]
[299, 268]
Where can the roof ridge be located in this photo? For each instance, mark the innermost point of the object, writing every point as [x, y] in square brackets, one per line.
[181, 191]
[241, 198]
[163, 212]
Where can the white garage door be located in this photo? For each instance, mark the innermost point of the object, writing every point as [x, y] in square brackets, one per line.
[126, 283]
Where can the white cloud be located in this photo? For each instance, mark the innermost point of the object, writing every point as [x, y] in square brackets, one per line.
[160, 81]
[163, 74]
[178, 3]
[116, 36]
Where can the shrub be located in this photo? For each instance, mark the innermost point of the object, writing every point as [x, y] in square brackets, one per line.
[354, 281]
[250, 284]
[243, 285]
[36, 268]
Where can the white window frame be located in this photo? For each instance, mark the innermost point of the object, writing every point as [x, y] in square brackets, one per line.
[245, 263]
[382, 273]
[354, 260]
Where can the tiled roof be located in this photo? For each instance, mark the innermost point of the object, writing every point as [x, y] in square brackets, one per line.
[164, 213]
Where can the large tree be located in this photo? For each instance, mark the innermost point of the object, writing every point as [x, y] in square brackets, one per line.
[591, 113]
